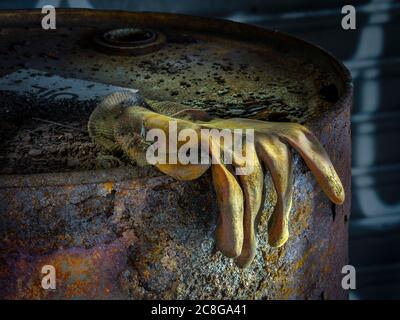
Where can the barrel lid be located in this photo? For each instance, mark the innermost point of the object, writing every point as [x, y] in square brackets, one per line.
[228, 69]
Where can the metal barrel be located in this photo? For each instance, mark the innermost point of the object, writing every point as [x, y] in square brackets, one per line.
[132, 232]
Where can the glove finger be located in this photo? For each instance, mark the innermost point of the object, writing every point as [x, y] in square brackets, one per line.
[317, 160]
[276, 157]
[252, 186]
[183, 171]
[229, 231]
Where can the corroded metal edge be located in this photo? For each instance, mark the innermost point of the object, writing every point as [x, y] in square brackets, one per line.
[77, 177]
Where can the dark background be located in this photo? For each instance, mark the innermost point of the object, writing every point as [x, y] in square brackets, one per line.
[372, 53]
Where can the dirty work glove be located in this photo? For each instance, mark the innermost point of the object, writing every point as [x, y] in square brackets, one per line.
[121, 121]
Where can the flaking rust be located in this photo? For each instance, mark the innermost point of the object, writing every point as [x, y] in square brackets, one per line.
[132, 232]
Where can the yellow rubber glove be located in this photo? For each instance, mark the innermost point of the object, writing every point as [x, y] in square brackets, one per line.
[121, 121]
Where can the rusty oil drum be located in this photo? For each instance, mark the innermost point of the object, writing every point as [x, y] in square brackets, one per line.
[138, 234]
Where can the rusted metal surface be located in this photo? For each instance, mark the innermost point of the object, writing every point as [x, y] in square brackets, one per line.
[139, 234]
